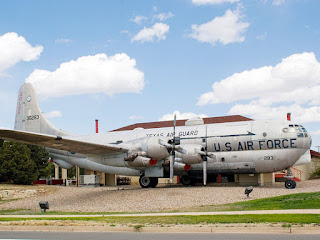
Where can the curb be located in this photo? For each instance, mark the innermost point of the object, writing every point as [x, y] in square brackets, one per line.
[174, 229]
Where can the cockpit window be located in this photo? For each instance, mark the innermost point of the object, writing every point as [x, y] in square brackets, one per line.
[300, 135]
[299, 131]
[291, 128]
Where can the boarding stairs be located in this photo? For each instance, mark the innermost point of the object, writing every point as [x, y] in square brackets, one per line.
[297, 175]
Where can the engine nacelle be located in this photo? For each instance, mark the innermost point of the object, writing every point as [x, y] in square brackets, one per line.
[192, 155]
[62, 164]
[180, 167]
[142, 162]
[154, 149]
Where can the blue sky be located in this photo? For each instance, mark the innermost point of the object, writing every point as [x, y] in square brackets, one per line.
[131, 61]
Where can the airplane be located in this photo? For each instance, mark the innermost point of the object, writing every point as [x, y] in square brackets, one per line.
[237, 147]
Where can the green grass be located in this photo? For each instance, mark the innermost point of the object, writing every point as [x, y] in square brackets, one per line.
[203, 219]
[292, 201]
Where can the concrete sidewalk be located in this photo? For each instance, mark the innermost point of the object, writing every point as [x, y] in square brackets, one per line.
[289, 211]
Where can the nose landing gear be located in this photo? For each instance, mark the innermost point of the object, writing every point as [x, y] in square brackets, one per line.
[290, 183]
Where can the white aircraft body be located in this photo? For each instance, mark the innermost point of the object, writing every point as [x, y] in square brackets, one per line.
[236, 147]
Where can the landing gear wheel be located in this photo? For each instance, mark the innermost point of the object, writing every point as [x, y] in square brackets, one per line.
[154, 182]
[144, 181]
[290, 184]
[186, 180]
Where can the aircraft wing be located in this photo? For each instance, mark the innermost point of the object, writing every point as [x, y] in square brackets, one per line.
[61, 143]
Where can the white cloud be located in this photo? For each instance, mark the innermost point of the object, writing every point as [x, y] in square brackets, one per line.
[90, 75]
[182, 116]
[53, 114]
[293, 86]
[278, 2]
[63, 40]
[156, 32]
[315, 133]
[225, 29]
[295, 79]
[163, 16]
[259, 111]
[262, 36]
[138, 19]
[204, 2]
[134, 117]
[14, 48]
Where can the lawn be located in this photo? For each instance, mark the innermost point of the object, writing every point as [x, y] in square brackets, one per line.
[292, 201]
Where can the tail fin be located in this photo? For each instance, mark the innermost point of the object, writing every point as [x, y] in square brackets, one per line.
[29, 116]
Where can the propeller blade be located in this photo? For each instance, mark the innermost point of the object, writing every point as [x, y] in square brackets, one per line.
[164, 143]
[205, 172]
[202, 153]
[205, 159]
[211, 155]
[180, 150]
[171, 166]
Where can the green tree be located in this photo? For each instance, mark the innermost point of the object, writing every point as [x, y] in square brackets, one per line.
[40, 157]
[16, 164]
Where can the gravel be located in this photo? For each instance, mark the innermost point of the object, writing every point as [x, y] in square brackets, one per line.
[136, 199]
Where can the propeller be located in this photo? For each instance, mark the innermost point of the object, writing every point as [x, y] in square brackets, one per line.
[169, 146]
[205, 155]
[205, 160]
[173, 152]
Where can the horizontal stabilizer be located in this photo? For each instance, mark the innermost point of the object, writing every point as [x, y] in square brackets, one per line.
[58, 142]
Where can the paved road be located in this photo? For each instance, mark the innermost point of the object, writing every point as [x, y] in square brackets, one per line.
[152, 236]
[290, 211]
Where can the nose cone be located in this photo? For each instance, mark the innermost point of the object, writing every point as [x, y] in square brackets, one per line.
[310, 142]
[308, 138]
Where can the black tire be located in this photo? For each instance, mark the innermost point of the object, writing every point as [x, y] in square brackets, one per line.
[186, 180]
[154, 182]
[290, 184]
[144, 181]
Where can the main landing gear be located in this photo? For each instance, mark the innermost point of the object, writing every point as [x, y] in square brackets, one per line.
[186, 180]
[148, 182]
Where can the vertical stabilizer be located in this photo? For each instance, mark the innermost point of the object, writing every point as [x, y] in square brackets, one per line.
[29, 116]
